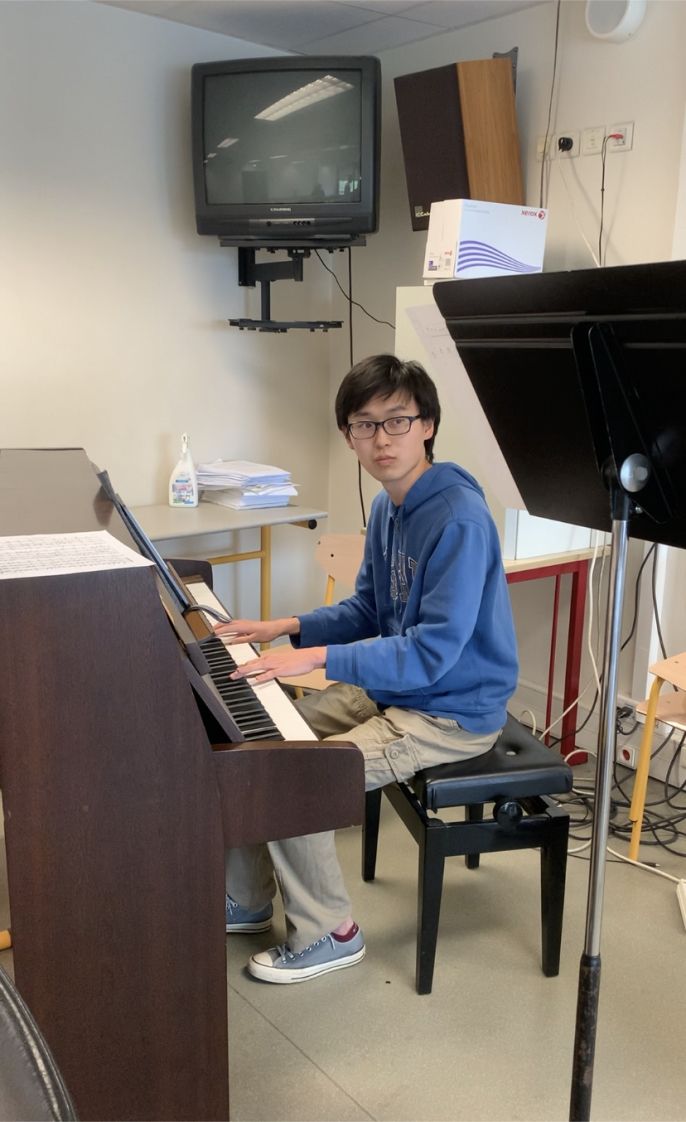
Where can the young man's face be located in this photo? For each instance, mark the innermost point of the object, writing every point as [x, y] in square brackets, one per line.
[395, 461]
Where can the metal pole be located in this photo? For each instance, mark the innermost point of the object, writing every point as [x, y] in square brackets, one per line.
[589, 969]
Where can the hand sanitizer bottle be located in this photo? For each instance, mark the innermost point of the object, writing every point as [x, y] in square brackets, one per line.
[183, 482]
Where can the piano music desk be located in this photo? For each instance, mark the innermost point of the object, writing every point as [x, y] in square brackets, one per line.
[165, 524]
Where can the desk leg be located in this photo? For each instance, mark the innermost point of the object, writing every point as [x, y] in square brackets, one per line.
[551, 664]
[575, 635]
[264, 556]
[266, 572]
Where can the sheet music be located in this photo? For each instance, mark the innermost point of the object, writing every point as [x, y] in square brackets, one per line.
[41, 555]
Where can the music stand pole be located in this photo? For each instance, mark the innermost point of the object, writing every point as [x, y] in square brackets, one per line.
[614, 413]
[589, 967]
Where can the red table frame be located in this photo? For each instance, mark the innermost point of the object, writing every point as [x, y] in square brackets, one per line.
[538, 568]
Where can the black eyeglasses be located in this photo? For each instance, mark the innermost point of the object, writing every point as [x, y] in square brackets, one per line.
[394, 426]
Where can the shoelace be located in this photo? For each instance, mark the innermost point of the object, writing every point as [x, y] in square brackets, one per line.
[287, 955]
[232, 907]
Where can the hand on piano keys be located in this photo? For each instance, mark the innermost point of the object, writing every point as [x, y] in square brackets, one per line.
[257, 631]
[275, 718]
[285, 661]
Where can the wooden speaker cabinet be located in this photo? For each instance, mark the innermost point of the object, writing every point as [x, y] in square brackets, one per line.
[458, 128]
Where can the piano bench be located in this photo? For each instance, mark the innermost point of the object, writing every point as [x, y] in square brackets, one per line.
[516, 775]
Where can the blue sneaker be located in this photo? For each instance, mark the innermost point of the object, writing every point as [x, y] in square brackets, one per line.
[242, 919]
[281, 964]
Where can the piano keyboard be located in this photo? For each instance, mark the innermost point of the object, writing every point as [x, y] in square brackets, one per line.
[261, 710]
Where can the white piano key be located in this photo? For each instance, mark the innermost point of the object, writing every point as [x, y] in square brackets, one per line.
[271, 695]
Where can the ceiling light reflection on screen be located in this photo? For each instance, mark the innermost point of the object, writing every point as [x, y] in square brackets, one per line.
[306, 95]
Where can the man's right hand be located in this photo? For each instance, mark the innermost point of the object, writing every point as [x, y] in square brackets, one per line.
[258, 630]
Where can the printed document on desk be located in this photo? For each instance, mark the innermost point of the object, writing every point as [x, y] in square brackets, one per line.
[251, 497]
[240, 474]
[241, 484]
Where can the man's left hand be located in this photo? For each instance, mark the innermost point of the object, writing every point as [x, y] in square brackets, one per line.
[283, 661]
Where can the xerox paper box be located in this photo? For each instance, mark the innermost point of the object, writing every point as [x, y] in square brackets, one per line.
[468, 238]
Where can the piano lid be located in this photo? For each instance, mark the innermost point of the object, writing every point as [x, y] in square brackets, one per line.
[54, 490]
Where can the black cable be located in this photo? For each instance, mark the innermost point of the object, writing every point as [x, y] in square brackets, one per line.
[350, 305]
[573, 732]
[677, 754]
[359, 490]
[656, 613]
[550, 102]
[603, 156]
[579, 728]
[653, 824]
[637, 586]
[349, 298]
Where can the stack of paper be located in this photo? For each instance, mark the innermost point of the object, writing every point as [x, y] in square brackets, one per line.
[240, 484]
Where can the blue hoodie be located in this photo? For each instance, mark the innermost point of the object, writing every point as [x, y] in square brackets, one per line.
[429, 626]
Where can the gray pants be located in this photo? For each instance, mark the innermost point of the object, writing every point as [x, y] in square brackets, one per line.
[396, 743]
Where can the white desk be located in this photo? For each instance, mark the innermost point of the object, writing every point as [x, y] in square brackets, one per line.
[165, 523]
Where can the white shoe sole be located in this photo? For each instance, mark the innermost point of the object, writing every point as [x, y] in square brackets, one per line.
[285, 975]
[245, 928]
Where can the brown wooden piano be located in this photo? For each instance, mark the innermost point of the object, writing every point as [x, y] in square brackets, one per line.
[123, 778]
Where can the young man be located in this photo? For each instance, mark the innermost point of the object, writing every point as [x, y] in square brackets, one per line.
[423, 656]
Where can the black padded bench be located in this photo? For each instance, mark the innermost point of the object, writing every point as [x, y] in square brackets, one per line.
[516, 775]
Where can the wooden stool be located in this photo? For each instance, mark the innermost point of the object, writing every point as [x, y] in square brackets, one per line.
[515, 775]
[672, 710]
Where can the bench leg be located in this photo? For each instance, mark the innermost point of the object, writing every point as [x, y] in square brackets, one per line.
[429, 890]
[553, 875]
[473, 813]
[370, 832]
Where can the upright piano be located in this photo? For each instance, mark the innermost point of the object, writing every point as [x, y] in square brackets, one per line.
[124, 776]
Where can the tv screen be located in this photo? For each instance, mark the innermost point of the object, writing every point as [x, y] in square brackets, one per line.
[286, 149]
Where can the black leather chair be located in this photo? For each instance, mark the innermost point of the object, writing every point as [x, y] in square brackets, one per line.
[516, 775]
[31, 1087]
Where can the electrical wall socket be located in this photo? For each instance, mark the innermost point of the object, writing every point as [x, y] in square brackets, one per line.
[588, 142]
[626, 755]
[681, 897]
[569, 153]
[592, 140]
[550, 148]
[627, 134]
[624, 701]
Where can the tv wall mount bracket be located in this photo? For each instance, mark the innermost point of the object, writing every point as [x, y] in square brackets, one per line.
[252, 272]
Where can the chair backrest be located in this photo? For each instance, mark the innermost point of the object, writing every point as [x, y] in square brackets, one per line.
[340, 557]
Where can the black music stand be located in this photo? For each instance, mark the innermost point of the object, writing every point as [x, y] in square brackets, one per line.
[582, 376]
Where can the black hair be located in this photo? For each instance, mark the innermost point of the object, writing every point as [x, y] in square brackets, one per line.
[383, 376]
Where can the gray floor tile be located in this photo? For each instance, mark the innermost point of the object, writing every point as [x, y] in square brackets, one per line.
[494, 1041]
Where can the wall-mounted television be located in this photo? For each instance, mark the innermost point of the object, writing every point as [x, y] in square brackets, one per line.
[286, 149]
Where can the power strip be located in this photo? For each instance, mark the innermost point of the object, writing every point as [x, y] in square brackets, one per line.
[681, 897]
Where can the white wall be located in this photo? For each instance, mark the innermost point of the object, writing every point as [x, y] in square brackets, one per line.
[113, 310]
[642, 80]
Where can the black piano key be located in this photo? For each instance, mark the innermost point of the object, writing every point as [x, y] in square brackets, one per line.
[240, 699]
